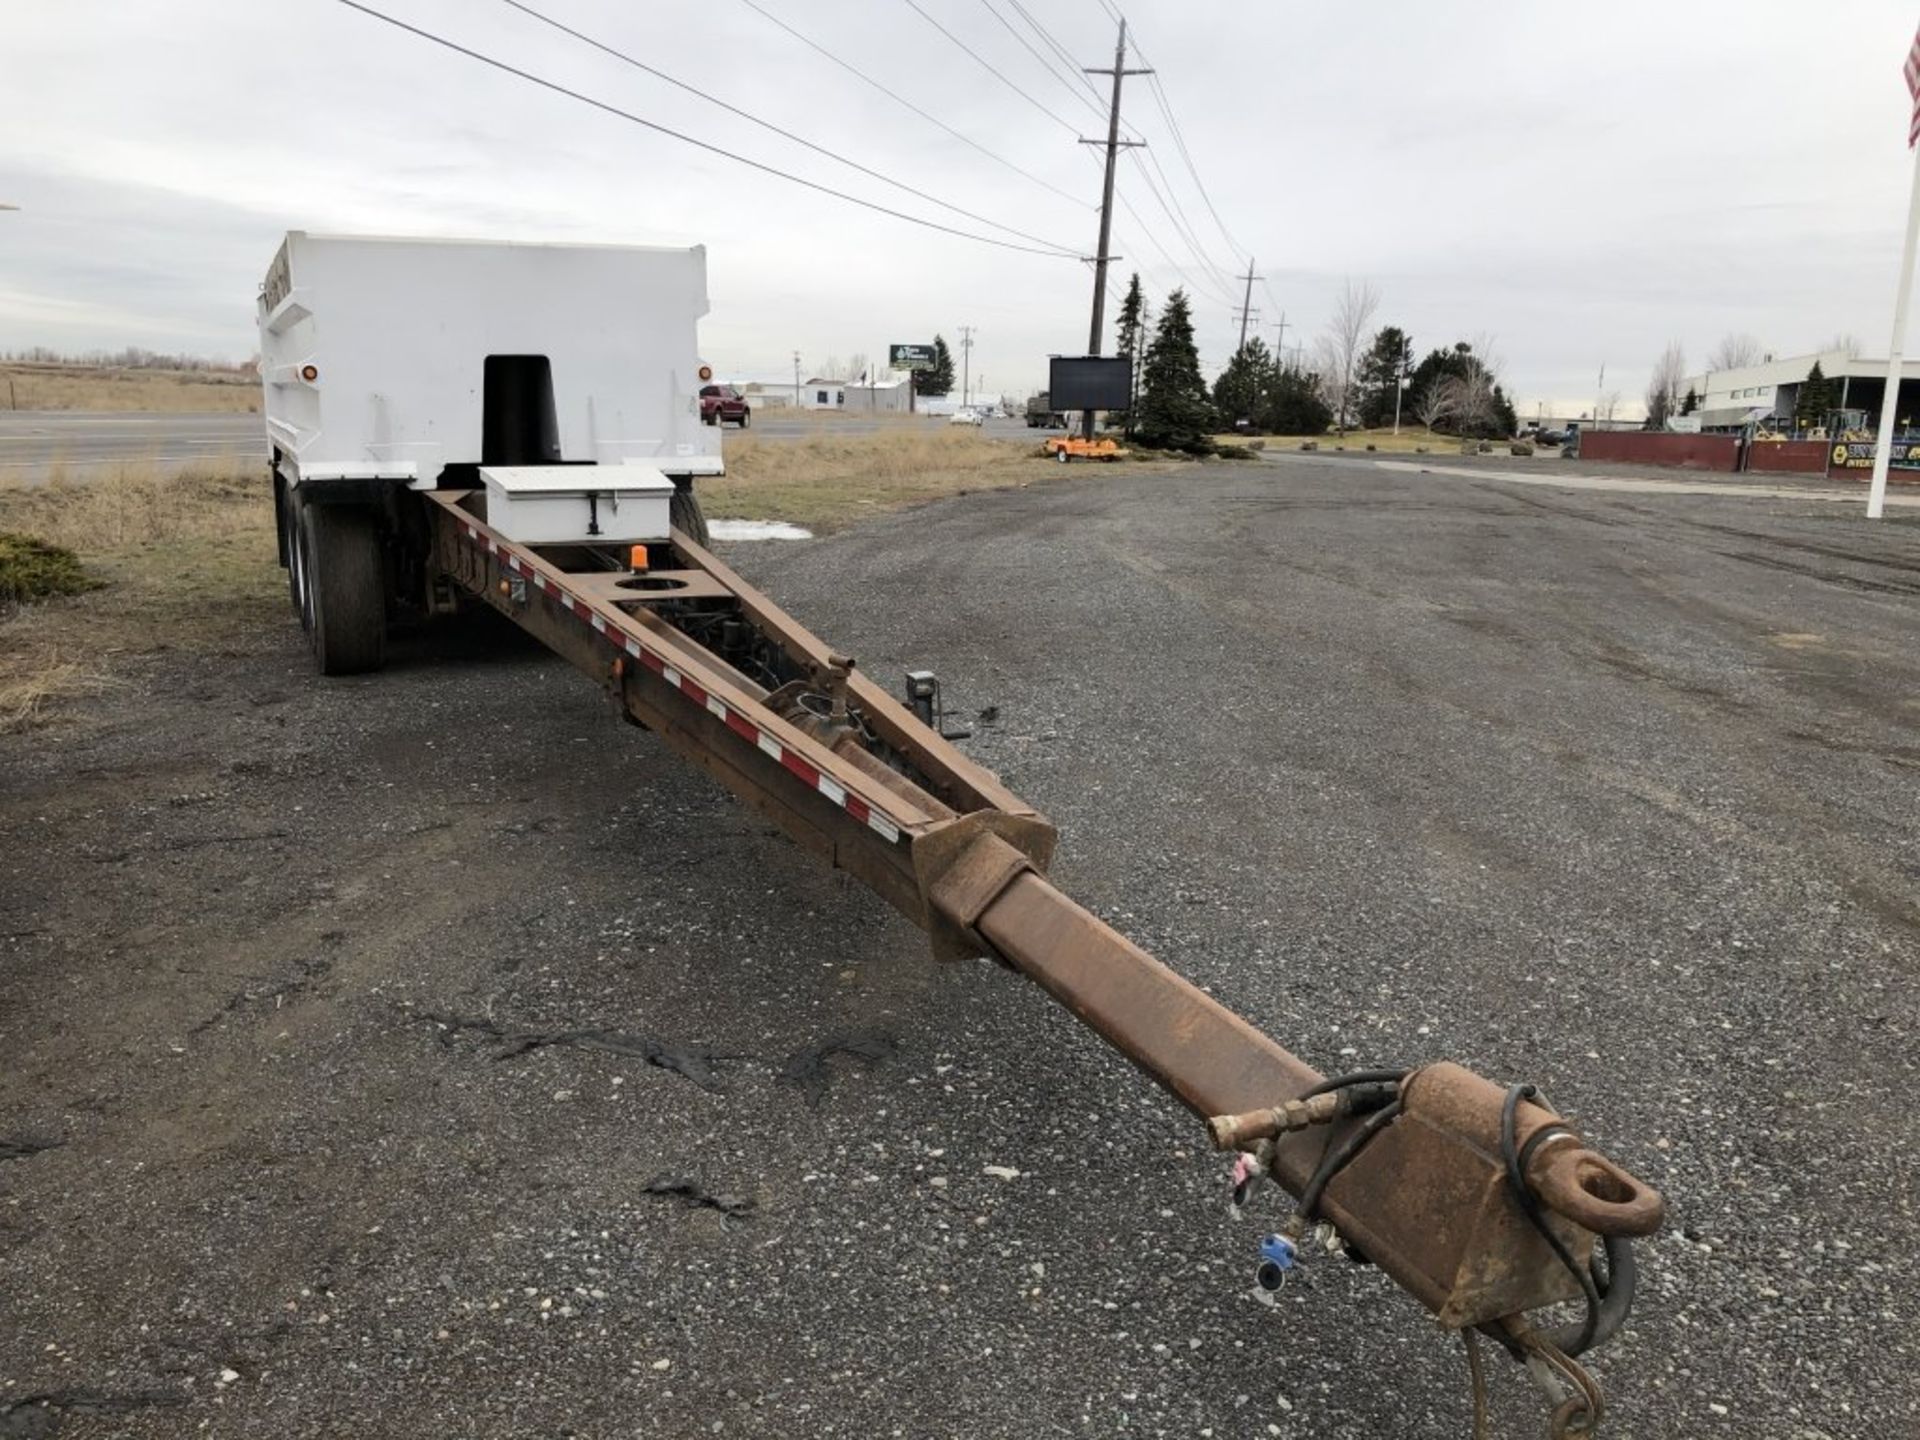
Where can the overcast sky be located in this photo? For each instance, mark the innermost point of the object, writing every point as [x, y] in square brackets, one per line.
[1581, 183]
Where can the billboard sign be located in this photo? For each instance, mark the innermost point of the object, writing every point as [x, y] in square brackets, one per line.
[910, 357]
[1090, 382]
[1858, 455]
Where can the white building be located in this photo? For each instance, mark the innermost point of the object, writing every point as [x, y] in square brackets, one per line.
[882, 396]
[1733, 399]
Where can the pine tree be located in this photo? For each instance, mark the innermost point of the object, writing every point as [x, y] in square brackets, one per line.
[1130, 330]
[1690, 403]
[1816, 397]
[1294, 406]
[1387, 359]
[1244, 383]
[1175, 413]
[938, 380]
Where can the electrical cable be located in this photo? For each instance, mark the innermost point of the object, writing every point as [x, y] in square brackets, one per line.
[1067, 125]
[1516, 1161]
[898, 99]
[1076, 91]
[1222, 292]
[1338, 1157]
[1066, 56]
[1356, 1077]
[559, 89]
[751, 118]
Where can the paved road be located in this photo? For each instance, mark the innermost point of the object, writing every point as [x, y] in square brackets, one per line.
[1614, 792]
[32, 442]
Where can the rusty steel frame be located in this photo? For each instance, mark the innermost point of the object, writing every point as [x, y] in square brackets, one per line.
[1427, 1199]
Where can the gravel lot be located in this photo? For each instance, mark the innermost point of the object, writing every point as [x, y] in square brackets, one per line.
[1615, 793]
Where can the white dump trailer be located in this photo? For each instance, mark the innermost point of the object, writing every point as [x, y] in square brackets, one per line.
[564, 380]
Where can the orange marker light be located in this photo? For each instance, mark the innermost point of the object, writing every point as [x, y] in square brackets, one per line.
[638, 557]
[706, 372]
[309, 373]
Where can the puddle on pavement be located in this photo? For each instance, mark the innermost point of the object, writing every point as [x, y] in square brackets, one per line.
[756, 530]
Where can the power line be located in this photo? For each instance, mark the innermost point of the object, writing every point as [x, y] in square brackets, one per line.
[1077, 92]
[1059, 252]
[988, 67]
[1187, 232]
[1066, 56]
[641, 65]
[898, 99]
[1205, 262]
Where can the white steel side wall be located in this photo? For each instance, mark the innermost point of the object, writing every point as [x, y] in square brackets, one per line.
[399, 332]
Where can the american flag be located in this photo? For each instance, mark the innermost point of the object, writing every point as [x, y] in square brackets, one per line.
[1912, 71]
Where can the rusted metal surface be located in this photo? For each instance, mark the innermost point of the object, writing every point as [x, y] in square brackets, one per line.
[1427, 1199]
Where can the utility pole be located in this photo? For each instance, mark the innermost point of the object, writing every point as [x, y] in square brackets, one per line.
[796, 379]
[1280, 337]
[966, 358]
[1246, 305]
[1399, 385]
[1114, 146]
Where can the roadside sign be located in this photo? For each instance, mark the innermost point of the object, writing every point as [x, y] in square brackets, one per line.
[910, 357]
[1089, 382]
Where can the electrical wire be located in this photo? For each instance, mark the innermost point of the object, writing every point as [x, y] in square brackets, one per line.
[768, 125]
[1066, 56]
[1186, 155]
[1516, 1159]
[986, 65]
[902, 100]
[628, 115]
[1076, 91]
[1222, 291]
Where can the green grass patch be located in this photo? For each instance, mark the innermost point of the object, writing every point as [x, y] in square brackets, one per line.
[31, 569]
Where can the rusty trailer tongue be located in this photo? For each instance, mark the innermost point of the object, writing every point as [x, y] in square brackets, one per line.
[1476, 1198]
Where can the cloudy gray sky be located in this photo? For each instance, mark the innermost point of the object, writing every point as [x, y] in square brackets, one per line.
[1581, 183]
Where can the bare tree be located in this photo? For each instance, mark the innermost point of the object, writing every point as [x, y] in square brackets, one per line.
[1609, 403]
[1337, 353]
[1735, 352]
[1847, 344]
[1663, 389]
[1437, 403]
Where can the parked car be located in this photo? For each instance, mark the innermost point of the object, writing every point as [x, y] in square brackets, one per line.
[966, 416]
[723, 404]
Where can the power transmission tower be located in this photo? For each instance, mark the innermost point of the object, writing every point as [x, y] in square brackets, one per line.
[966, 357]
[1247, 312]
[1114, 146]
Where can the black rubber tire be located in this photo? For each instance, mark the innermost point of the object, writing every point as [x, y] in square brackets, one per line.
[289, 518]
[346, 588]
[686, 516]
[746, 418]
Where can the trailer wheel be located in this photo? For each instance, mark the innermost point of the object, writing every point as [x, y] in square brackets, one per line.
[344, 585]
[289, 518]
[686, 516]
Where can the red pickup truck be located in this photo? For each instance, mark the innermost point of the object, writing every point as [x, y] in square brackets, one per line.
[723, 403]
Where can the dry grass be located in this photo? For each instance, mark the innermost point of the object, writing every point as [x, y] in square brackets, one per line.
[85, 387]
[187, 559]
[1409, 441]
[832, 480]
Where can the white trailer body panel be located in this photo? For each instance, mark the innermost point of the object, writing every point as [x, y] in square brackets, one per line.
[373, 352]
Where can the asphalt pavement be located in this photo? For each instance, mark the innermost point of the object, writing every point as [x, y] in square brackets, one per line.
[310, 984]
[83, 442]
[33, 441]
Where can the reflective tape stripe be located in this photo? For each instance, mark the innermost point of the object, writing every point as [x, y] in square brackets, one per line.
[736, 721]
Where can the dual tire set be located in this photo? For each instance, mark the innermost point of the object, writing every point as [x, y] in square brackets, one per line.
[337, 580]
[339, 577]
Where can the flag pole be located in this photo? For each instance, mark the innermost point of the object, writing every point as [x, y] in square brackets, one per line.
[1890, 402]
